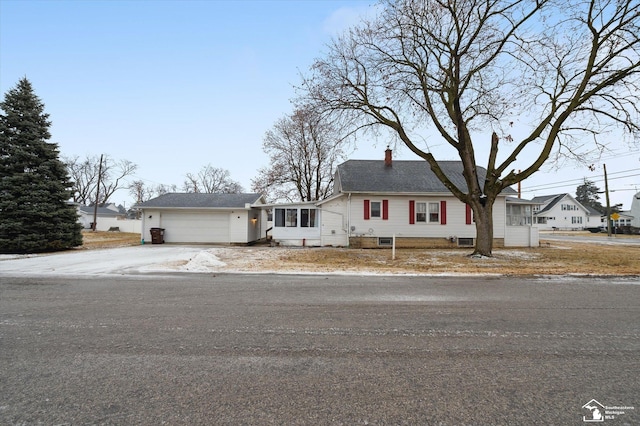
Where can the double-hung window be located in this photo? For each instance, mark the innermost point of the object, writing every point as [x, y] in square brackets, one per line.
[434, 212]
[376, 209]
[421, 212]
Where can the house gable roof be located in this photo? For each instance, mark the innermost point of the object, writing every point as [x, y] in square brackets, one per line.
[549, 200]
[202, 201]
[401, 177]
[552, 200]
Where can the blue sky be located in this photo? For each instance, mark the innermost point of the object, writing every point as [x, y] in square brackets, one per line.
[175, 85]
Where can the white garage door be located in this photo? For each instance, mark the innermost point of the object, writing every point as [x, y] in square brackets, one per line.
[196, 227]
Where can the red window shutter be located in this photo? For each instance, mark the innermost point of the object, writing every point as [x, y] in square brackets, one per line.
[385, 209]
[412, 212]
[367, 210]
[468, 215]
[443, 212]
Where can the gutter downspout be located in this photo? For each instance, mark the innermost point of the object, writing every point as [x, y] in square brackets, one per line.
[348, 219]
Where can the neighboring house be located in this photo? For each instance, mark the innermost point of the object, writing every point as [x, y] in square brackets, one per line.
[86, 214]
[108, 218]
[624, 219]
[205, 218]
[374, 202]
[562, 211]
[635, 211]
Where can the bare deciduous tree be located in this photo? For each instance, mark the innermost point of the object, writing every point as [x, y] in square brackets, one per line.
[84, 173]
[461, 67]
[140, 191]
[211, 180]
[303, 151]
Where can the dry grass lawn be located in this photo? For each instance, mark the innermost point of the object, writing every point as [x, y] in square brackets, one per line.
[557, 259]
[101, 239]
[552, 258]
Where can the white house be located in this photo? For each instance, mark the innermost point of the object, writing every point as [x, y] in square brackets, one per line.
[375, 201]
[635, 211]
[205, 218]
[108, 212]
[108, 218]
[562, 211]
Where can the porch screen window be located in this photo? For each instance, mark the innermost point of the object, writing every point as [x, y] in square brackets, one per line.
[286, 217]
[279, 216]
[292, 218]
[308, 218]
[434, 212]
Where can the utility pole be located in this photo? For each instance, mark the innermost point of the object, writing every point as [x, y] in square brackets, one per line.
[95, 205]
[606, 191]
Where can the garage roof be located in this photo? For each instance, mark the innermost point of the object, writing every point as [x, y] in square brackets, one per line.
[191, 200]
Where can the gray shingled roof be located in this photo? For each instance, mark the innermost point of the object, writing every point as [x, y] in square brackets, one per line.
[555, 199]
[401, 177]
[103, 211]
[191, 200]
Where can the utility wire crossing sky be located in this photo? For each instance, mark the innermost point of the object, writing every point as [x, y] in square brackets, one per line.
[175, 85]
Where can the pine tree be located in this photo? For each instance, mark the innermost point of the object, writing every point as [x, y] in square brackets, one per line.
[587, 195]
[35, 215]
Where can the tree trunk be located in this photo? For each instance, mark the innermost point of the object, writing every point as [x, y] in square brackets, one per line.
[484, 228]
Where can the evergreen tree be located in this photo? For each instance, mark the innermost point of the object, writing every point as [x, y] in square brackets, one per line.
[34, 186]
[587, 195]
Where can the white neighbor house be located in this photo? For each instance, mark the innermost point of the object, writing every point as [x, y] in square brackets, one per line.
[373, 201]
[107, 218]
[635, 211]
[562, 211]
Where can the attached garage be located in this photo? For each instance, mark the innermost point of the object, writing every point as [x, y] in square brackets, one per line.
[196, 227]
[205, 218]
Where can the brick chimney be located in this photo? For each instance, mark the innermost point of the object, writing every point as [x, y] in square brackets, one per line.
[387, 157]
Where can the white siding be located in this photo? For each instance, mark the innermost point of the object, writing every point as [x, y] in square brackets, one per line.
[499, 218]
[521, 236]
[238, 226]
[334, 223]
[635, 210]
[398, 221]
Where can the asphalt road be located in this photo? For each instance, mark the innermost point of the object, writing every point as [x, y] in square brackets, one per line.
[619, 240]
[259, 350]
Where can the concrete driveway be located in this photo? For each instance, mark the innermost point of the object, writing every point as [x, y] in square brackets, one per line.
[119, 261]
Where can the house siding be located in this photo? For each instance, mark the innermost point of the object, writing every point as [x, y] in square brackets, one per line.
[454, 215]
[334, 224]
[414, 242]
[238, 226]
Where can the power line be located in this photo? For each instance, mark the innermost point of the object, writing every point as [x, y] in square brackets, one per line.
[572, 182]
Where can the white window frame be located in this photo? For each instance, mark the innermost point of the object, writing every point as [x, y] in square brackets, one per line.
[371, 211]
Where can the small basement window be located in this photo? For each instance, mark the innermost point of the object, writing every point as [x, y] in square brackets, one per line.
[465, 242]
[385, 241]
